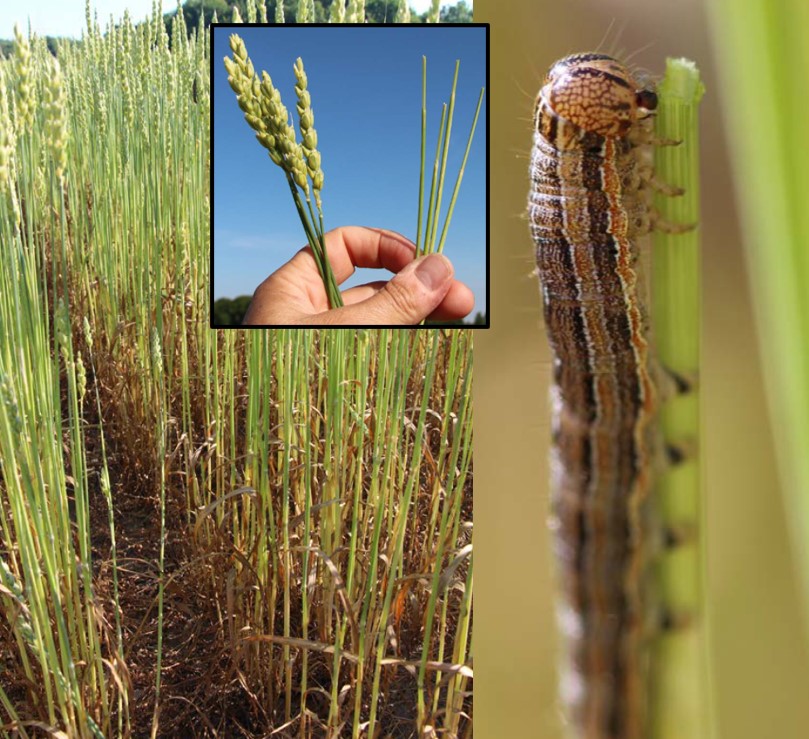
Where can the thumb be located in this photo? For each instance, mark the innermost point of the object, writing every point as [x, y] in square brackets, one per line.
[412, 294]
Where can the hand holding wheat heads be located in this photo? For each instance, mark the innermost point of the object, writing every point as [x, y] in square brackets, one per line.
[422, 287]
[406, 298]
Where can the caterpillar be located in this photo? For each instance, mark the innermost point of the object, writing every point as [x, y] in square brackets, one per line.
[589, 203]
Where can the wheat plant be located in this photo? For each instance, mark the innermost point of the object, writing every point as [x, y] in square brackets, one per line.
[268, 117]
[426, 241]
[224, 532]
[680, 696]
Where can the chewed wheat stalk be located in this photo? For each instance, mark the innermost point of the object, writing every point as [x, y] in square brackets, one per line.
[426, 241]
[267, 115]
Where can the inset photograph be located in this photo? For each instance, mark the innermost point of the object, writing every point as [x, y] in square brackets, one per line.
[349, 176]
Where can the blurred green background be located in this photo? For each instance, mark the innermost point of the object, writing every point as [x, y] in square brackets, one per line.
[759, 658]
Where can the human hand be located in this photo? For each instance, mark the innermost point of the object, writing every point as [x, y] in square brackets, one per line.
[421, 288]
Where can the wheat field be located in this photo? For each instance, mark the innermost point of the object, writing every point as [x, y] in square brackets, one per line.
[204, 533]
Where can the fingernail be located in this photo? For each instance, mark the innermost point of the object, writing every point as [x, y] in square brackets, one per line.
[433, 271]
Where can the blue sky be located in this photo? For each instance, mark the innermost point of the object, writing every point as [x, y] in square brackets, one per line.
[66, 17]
[365, 85]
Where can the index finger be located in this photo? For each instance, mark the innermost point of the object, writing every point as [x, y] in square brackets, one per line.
[349, 247]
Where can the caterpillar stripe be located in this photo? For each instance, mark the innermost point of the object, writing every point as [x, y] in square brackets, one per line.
[589, 202]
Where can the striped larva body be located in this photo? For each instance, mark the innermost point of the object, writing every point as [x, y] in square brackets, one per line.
[589, 202]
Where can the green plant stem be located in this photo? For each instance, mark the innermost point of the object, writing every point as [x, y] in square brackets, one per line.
[762, 58]
[460, 175]
[444, 156]
[680, 704]
[333, 292]
[423, 152]
[431, 210]
[318, 246]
